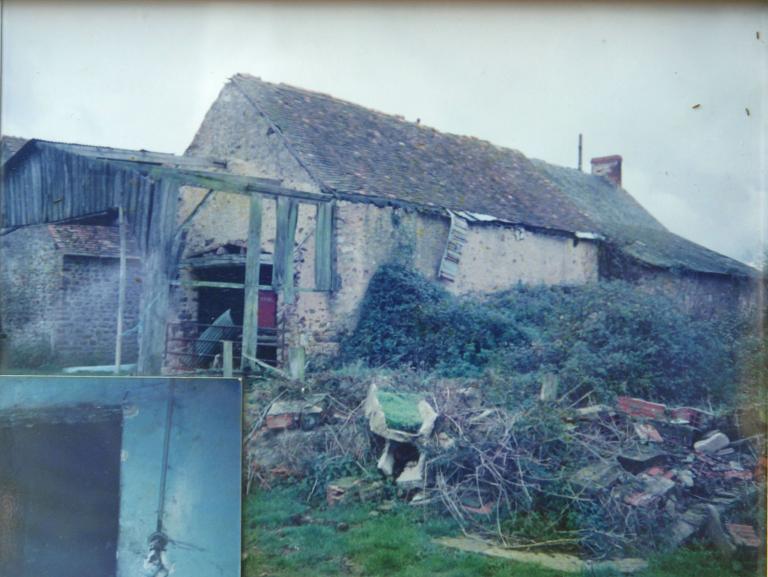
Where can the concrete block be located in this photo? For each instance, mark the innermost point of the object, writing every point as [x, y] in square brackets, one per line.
[712, 443]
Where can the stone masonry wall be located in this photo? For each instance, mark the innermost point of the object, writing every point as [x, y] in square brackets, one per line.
[368, 236]
[699, 294]
[497, 257]
[60, 310]
[29, 283]
[86, 315]
[703, 295]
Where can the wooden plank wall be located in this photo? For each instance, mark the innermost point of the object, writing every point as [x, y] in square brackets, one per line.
[52, 185]
[159, 271]
[252, 273]
[324, 272]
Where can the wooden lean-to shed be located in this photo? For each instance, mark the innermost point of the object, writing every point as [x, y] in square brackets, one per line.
[47, 182]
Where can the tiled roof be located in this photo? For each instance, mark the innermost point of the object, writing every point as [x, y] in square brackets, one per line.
[90, 240]
[10, 145]
[632, 229]
[352, 149]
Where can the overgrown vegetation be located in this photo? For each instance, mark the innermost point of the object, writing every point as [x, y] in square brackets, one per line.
[500, 462]
[284, 537]
[609, 338]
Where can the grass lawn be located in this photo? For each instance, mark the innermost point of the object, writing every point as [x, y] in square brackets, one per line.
[285, 537]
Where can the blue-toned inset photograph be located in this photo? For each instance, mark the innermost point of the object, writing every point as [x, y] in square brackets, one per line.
[119, 477]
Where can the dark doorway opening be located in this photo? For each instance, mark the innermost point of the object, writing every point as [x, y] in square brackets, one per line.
[60, 494]
[213, 301]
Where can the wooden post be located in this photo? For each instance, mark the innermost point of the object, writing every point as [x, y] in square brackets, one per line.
[549, 385]
[120, 291]
[324, 247]
[296, 361]
[226, 353]
[252, 270]
[159, 270]
[285, 237]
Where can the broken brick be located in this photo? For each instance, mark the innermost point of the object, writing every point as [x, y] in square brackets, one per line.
[744, 535]
[694, 417]
[486, 509]
[734, 474]
[640, 408]
[641, 499]
[648, 432]
[282, 421]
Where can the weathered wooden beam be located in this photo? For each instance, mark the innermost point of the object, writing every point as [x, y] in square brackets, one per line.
[220, 260]
[207, 284]
[221, 285]
[198, 207]
[285, 238]
[120, 292]
[297, 359]
[159, 269]
[226, 354]
[223, 181]
[324, 247]
[252, 270]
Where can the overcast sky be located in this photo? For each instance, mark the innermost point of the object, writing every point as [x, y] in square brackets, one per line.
[142, 75]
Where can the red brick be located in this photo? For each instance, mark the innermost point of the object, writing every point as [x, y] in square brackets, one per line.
[743, 534]
[284, 421]
[641, 408]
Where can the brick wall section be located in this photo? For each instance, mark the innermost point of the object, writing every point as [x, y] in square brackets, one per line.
[60, 310]
[86, 318]
[29, 277]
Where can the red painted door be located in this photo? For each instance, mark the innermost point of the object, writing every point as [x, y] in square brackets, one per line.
[267, 310]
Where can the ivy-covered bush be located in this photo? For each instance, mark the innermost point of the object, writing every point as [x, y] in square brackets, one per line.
[609, 338]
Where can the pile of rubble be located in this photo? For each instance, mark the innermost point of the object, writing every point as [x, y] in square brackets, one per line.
[630, 478]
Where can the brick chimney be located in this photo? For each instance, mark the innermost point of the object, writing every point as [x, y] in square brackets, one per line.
[609, 167]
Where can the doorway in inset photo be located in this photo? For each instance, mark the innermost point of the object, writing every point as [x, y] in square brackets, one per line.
[120, 477]
[60, 491]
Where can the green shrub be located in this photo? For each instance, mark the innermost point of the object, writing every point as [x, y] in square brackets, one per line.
[406, 319]
[610, 338]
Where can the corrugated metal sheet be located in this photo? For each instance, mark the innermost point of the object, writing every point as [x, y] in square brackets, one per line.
[457, 238]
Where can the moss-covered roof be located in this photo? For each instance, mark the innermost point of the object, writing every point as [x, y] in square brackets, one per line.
[351, 149]
[10, 145]
[632, 229]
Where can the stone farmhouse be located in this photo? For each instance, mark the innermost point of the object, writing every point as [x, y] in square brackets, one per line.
[269, 227]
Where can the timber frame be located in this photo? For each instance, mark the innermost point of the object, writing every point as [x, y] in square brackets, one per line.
[162, 264]
[77, 181]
